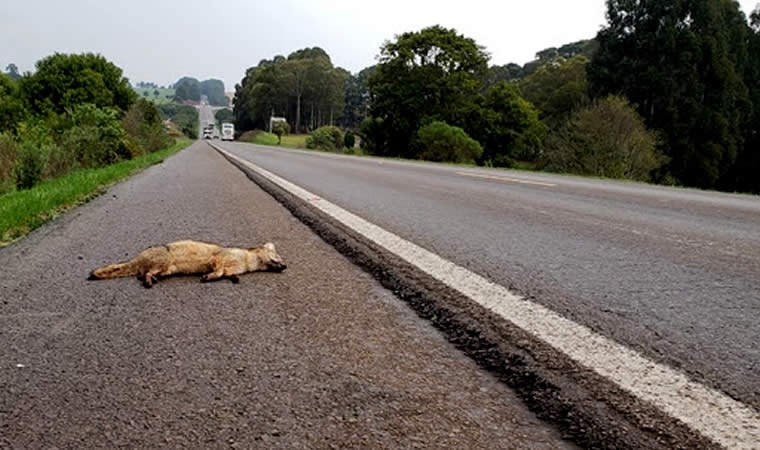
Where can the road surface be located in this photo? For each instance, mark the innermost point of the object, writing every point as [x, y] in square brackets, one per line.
[673, 274]
[319, 356]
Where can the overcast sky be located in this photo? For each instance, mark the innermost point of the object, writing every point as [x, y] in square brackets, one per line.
[162, 40]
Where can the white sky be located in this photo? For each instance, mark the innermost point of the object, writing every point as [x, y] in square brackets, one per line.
[162, 40]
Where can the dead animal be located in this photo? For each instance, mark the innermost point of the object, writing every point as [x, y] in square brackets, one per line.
[193, 257]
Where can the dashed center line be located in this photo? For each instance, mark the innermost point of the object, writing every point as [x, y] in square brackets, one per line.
[715, 415]
[507, 179]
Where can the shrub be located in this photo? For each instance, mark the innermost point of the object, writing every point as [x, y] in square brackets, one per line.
[185, 117]
[249, 136]
[129, 148]
[608, 139]
[280, 128]
[442, 142]
[143, 124]
[327, 138]
[7, 159]
[94, 138]
[349, 140]
[373, 138]
[28, 169]
[34, 147]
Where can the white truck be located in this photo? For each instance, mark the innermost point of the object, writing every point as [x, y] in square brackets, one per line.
[228, 132]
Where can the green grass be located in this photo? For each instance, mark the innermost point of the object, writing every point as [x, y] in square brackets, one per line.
[294, 140]
[23, 211]
[162, 93]
[265, 138]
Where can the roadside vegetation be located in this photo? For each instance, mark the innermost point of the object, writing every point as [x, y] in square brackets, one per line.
[65, 130]
[21, 211]
[265, 138]
[185, 117]
[631, 103]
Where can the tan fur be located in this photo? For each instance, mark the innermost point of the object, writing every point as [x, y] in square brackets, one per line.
[192, 257]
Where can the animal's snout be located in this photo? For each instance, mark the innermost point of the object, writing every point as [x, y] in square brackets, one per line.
[278, 267]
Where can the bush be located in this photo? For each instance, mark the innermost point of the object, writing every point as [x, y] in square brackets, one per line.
[37, 156]
[144, 126]
[373, 138]
[249, 136]
[279, 129]
[607, 139]
[129, 148]
[442, 142]
[94, 138]
[28, 170]
[349, 140]
[7, 161]
[327, 138]
[184, 116]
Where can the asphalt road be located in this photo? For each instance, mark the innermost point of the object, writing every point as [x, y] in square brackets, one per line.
[319, 356]
[671, 273]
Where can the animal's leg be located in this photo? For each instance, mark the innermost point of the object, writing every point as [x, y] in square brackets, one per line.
[213, 276]
[150, 278]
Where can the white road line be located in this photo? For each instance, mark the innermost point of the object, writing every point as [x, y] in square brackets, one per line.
[711, 413]
[508, 179]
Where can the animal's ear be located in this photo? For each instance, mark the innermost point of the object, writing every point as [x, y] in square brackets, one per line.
[269, 246]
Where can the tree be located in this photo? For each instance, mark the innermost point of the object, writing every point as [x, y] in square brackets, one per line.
[280, 128]
[297, 71]
[507, 72]
[156, 93]
[224, 115]
[11, 105]
[607, 139]
[184, 116]
[744, 175]
[64, 81]
[305, 88]
[433, 74]
[187, 88]
[507, 125]
[12, 72]
[356, 92]
[681, 63]
[557, 88]
[214, 91]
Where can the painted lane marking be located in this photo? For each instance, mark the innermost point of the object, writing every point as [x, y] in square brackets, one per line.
[508, 179]
[713, 414]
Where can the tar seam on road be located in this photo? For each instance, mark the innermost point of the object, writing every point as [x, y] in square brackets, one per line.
[507, 179]
[711, 413]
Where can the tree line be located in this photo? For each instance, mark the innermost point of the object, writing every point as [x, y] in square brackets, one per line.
[76, 111]
[666, 92]
[189, 88]
[305, 88]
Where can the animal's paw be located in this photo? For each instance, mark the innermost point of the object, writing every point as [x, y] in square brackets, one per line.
[204, 279]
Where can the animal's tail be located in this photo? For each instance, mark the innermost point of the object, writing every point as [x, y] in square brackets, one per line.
[127, 269]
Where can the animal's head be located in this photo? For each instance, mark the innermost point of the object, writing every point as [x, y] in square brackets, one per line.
[268, 258]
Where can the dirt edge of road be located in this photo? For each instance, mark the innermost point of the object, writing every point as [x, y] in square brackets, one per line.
[588, 409]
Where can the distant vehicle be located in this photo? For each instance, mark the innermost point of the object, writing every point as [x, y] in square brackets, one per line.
[228, 132]
[208, 132]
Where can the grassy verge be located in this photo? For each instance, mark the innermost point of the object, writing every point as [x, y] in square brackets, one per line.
[23, 211]
[264, 138]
